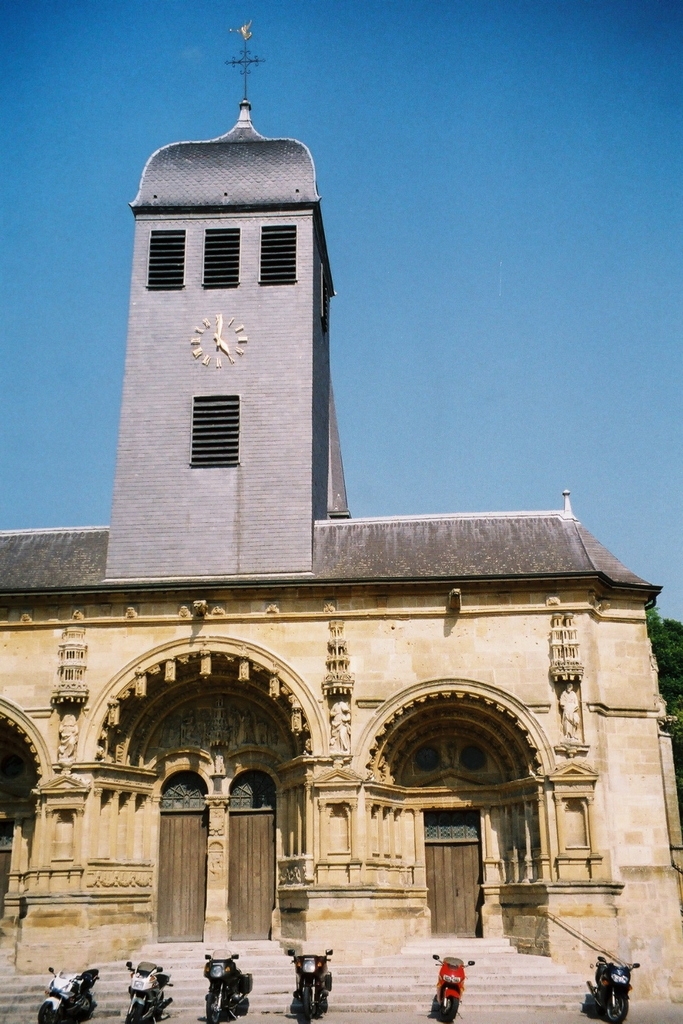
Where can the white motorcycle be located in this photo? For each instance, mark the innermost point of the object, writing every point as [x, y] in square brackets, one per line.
[69, 997]
[146, 990]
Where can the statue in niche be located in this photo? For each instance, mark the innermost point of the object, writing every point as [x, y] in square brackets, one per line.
[569, 706]
[68, 738]
[449, 755]
[191, 731]
[263, 733]
[170, 733]
[340, 728]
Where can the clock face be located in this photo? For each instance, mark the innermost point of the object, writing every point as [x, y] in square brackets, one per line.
[218, 342]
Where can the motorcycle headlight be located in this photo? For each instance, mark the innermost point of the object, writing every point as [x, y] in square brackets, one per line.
[216, 971]
[619, 977]
[308, 966]
[453, 979]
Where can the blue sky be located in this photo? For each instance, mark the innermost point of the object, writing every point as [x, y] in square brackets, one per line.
[502, 199]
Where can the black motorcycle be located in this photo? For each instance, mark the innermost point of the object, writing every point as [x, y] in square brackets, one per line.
[228, 987]
[611, 989]
[69, 997]
[313, 982]
[146, 990]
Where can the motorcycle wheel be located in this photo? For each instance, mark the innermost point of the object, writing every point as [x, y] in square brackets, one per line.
[134, 1015]
[213, 1007]
[449, 1008]
[617, 1008]
[47, 1013]
[307, 1001]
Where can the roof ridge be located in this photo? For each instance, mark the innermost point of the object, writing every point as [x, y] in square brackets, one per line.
[53, 529]
[441, 516]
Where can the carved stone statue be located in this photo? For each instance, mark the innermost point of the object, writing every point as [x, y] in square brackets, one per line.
[340, 728]
[68, 738]
[569, 705]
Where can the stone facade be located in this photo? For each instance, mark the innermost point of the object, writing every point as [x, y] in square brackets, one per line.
[476, 692]
[574, 843]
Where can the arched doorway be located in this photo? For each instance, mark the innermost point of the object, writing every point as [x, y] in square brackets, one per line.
[251, 883]
[462, 759]
[19, 774]
[183, 831]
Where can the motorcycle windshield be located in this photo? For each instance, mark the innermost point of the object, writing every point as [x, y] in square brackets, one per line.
[63, 982]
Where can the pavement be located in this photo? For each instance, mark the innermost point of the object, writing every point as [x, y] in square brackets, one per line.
[639, 1013]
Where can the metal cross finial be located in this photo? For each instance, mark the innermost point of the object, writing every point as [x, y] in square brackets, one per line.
[246, 59]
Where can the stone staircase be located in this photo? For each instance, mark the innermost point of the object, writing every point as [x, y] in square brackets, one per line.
[501, 979]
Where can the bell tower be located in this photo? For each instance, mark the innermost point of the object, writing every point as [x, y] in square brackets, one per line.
[227, 448]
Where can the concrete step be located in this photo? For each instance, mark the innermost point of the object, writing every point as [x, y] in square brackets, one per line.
[501, 979]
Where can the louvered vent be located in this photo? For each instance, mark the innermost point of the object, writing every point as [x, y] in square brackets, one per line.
[278, 254]
[166, 260]
[325, 305]
[216, 430]
[222, 258]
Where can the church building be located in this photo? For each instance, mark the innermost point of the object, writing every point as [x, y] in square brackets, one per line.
[238, 712]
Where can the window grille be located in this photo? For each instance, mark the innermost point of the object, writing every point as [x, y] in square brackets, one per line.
[6, 833]
[252, 790]
[444, 826]
[184, 792]
[215, 430]
[278, 254]
[221, 258]
[166, 260]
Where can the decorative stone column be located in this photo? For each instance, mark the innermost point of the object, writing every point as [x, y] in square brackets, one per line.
[216, 922]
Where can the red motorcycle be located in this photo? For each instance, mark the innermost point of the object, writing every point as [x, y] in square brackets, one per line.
[450, 986]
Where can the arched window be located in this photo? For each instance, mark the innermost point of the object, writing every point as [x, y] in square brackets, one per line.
[252, 791]
[184, 791]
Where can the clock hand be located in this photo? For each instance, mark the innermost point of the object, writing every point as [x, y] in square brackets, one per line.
[222, 345]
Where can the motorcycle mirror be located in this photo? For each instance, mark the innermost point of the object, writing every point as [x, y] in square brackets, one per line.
[207, 956]
[635, 965]
[435, 956]
[291, 952]
[470, 963]
[129, 965]
[329, 952]
[51, 970]
[235, 956]
[159, 968]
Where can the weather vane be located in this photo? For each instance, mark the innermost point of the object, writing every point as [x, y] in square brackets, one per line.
[246, 59]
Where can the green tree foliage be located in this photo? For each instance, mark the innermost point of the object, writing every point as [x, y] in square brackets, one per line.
[667, 643]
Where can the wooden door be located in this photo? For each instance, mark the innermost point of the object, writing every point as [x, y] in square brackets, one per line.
[5, 859]
[251, 882]
[182, 876]
[453, 879]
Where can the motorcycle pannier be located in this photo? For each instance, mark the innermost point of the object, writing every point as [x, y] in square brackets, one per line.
[246, 981]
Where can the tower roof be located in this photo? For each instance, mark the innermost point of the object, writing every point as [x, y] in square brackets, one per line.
[241, 168]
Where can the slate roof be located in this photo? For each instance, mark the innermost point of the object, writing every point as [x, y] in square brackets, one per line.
[482, 546]
[53, 559]
[463, 546]
[241, 168]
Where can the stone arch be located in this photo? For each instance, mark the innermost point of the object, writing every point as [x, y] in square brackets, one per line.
[18, 722]
[207, 721]
[148, 674]
[517, 743]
